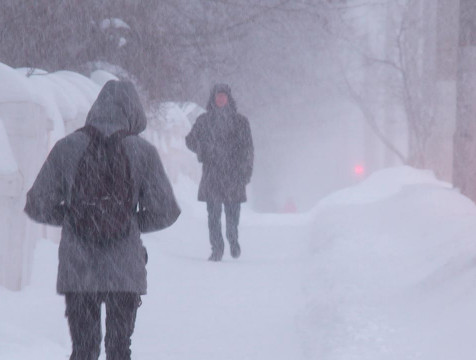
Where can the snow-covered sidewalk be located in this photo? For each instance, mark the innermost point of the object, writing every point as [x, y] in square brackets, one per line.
[385, 270]
[236, 309]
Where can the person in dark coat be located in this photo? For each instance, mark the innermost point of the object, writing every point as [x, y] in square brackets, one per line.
[222, 140]
[88, 274]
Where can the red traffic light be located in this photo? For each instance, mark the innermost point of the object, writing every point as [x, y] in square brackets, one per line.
[359, 170]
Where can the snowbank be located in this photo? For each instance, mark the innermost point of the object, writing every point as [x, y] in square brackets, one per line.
[381, 185]
[8, 164]
[64, 96]
[174, 117]
[101, 77]
[25, 332]
[392, 272]
[192, 111]
[36, 110]
[169, 123]
[14, 87]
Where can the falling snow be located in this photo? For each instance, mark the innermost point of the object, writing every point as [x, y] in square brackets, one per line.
[357, 191]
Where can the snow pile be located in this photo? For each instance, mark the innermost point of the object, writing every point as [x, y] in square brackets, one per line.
[8, 164]
[192, 111]
[101, 77]
[169, 123]
[37, 109]
[173, 118]
[14, 87]
[65, 96]
[65, 93]
[381, 185]
[32, 322]
[393, 272]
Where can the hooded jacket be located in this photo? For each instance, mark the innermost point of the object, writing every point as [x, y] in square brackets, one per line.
[222, 140]
[119, 267]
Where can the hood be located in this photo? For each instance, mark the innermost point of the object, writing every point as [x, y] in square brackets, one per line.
[224, 88]
[117, 107]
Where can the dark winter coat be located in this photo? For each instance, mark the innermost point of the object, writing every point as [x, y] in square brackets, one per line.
[84, 267]
[222, 140]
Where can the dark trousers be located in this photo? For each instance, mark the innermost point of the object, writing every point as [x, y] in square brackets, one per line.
[83, 311]
[232, 214]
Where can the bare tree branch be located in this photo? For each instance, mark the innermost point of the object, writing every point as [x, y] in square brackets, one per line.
[370, 118]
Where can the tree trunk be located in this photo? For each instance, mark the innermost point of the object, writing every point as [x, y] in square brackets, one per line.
[440, 144]
[464, 155]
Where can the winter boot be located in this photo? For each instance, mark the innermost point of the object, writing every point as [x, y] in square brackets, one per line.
[218, 247]
[235, 249]
[215, 256]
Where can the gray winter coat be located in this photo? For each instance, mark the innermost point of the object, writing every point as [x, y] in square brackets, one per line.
[84, 267]
[222, 140]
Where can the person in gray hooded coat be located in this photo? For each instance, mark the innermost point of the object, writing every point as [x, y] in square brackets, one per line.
[89, 275]
[222, 140]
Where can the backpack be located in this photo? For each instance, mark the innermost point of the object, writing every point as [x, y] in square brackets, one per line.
[101, 207]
